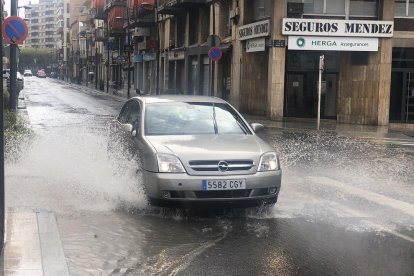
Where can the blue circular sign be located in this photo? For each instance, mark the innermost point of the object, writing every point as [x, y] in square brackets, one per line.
[14, 30]
[215, 53]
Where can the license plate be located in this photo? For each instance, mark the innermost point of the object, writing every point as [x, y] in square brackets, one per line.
[214, 185]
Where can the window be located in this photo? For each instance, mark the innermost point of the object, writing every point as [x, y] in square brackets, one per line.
[363, 8]
[192, 118]
[67, 22]
[67, 7]
[404, 8]
[357, 8]
[193, 27]
[262, 9]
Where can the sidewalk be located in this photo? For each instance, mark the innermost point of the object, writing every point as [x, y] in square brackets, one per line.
[32, 245]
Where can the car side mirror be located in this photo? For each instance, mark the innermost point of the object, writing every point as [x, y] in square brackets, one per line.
[257, 127]
[127, 127]
[134, 133]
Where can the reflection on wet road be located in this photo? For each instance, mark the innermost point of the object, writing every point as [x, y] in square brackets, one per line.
[346, 206]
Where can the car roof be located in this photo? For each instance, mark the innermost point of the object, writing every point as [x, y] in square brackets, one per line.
[148, 99]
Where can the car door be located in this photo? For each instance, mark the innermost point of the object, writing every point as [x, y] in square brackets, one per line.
[120, 132]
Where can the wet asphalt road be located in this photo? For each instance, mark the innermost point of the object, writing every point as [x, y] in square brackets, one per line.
[346, 206]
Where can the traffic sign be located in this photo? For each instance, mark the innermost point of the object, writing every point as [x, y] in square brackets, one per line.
[14, 30]
[215, 53]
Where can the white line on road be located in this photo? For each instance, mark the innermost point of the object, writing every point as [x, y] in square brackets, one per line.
[399, 205]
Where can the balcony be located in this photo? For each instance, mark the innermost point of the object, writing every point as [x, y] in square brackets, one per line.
[114, 3]
[179, 6]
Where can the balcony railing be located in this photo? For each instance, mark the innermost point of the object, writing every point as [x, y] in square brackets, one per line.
[178, 6]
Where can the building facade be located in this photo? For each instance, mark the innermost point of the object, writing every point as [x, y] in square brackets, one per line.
[43, 22]
[271, 51]
[264, 56]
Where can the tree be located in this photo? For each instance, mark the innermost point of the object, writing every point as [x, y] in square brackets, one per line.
[36, 58]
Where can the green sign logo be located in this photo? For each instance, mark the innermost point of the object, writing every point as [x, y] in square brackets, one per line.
[300, 42]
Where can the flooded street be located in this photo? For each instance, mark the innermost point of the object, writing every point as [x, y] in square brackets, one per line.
[346, 206]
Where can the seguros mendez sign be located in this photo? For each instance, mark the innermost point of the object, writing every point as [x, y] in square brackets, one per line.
[329, 27]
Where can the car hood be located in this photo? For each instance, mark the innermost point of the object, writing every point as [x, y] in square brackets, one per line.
[210, 147]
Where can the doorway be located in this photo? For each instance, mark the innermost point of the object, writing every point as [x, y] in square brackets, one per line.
[402, 96]
[302, 95]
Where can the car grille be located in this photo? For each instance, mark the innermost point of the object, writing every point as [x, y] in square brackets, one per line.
[213, 165]
[223, 194]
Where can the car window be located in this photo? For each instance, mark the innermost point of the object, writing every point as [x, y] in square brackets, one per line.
[134, 115]
[130, 113]
[123, 115]
[191, 119]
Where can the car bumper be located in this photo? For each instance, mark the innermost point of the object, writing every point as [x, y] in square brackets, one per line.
[183, 190]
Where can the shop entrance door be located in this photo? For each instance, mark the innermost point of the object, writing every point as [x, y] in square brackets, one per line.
[402, 96]
[302, 95]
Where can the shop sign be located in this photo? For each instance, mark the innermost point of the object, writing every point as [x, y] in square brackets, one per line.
[176, 55]
[257, 29]
[256, 45]
[318, 43]
[332, 27]
[138, 58]
[149, 56]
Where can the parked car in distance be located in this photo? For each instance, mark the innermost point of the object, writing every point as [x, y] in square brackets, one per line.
[27, 73]
[41, 74]
[53, 75]
[196, 151]
[6, 73]
[19, 81]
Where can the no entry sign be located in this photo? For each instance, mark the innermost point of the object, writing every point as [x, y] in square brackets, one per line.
[14, 30]
[215, 53]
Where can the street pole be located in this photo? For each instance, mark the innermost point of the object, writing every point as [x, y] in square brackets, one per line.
[13, 64]
[87, 61]
[129, 53]
[96, 66]
[321, 65]
[2, 197]
[107, 68]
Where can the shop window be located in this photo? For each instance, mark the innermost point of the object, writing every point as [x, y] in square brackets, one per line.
[404, 8]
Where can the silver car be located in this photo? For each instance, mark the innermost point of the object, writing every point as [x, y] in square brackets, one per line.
[197, 151]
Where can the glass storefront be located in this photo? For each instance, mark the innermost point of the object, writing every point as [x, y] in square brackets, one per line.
[402, 85]
[301, 95]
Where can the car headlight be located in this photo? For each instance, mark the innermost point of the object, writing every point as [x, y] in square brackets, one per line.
[268, 162]
[168, 163]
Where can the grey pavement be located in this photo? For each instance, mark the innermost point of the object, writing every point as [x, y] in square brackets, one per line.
[33, 245]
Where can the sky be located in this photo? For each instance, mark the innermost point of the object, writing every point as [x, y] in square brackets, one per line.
[21, 3]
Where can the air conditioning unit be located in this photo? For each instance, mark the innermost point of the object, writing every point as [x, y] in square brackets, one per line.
[295, 8]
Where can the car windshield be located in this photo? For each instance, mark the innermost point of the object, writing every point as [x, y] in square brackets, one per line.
[192, 118]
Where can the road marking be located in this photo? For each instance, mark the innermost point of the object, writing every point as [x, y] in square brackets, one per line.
[399, 205]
